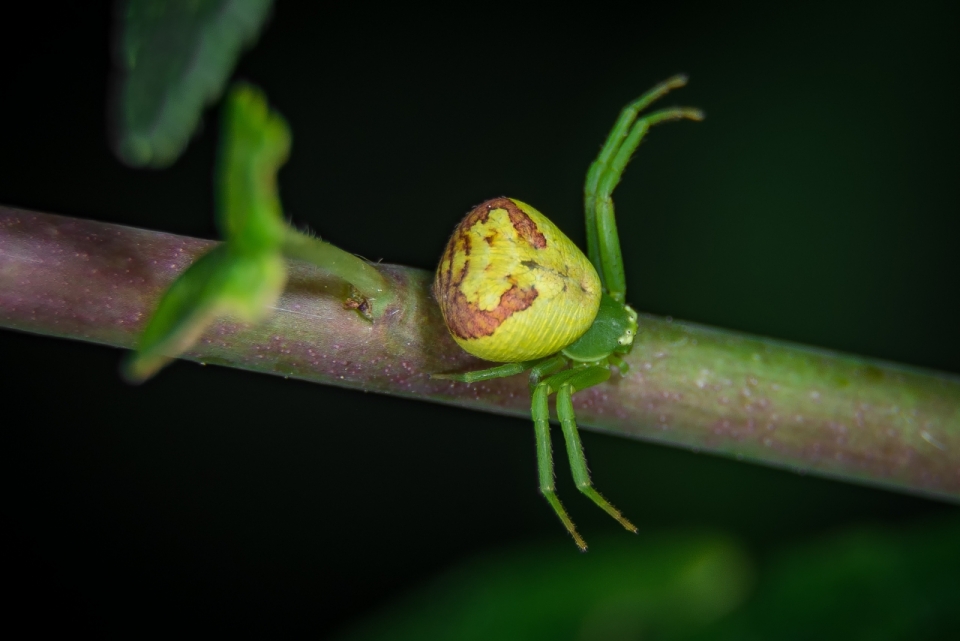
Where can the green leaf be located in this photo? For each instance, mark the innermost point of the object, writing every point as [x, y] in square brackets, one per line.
[243, 277]
[222, 283]
[173, 58]
[255, 143]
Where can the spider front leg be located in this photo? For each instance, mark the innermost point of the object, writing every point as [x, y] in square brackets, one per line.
[603, 242]
[565, 384]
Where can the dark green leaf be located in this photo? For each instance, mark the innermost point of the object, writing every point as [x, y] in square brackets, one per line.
[173, 58]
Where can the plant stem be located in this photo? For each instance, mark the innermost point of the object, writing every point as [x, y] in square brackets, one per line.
[758, 399]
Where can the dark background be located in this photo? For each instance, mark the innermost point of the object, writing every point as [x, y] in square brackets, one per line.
[817, 203]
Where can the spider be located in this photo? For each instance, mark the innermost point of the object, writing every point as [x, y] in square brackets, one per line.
[514, 289]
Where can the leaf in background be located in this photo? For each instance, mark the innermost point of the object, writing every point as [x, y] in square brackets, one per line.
[664, 588]
[172, 59]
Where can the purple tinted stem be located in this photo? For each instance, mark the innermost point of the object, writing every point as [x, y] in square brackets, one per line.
[758, 399]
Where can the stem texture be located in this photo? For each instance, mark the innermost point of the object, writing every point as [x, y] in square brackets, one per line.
[758, 399]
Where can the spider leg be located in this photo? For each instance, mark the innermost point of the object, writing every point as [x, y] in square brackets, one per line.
[545, 368]
[603, 243]
[500, 371]
[541, 426]
[581, 379]
[619, 363]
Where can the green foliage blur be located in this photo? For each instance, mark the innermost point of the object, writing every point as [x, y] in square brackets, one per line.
[867, 583]
[173, 58]
[664, 587]
[817, 203]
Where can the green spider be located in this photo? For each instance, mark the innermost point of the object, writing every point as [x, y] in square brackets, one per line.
[514, 289]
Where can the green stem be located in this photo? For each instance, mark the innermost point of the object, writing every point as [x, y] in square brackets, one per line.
[362, 275]
[763, 400]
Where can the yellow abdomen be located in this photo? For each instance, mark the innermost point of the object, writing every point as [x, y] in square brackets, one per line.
[511, 285]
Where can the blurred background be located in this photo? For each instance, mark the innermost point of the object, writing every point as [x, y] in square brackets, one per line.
[817, 203]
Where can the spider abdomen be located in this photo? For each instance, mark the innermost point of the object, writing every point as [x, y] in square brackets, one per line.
[512, 287]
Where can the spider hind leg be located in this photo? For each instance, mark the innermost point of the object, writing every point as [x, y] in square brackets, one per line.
[585, 377]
